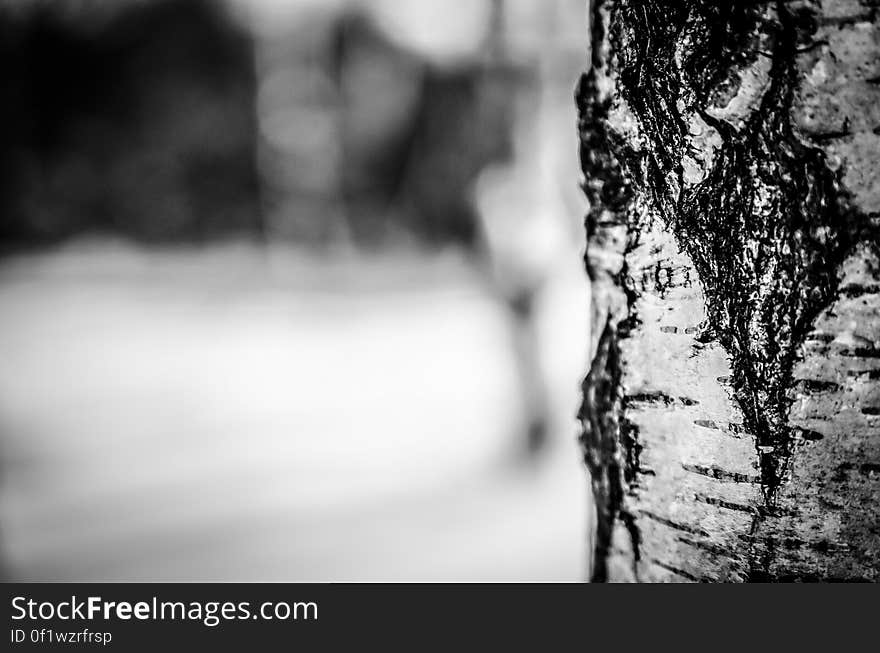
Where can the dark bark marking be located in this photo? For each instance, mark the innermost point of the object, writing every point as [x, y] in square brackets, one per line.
[865, 469]
[678, 526]
[807, 434]
[852, 291]
[816, 386]
[681, 572]
[722, 503]
[656, 398]
[721, 474]
[860, 352]
[869, 469]
[649, 398]
[714, 549]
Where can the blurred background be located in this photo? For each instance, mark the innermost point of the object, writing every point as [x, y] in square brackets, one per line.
[291, 290]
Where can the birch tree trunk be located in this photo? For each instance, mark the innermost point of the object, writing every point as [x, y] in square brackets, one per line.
[731, 415]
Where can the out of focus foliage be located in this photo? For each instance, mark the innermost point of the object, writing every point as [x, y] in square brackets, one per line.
[136, 121]
[176, 120]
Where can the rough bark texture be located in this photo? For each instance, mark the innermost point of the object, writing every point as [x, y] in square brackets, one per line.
[731, 415]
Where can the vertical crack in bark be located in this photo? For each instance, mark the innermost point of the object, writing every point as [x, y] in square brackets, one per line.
[711, 150]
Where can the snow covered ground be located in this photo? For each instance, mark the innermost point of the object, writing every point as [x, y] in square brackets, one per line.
[236, 413]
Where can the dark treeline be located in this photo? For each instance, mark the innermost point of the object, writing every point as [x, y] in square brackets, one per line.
[137, 122]
[142, 121]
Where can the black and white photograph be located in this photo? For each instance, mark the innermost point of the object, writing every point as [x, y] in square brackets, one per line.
[424, 291]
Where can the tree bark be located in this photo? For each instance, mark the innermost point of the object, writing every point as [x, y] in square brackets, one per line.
[731, 414]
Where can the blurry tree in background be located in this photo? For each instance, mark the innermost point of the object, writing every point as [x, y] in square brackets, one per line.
[339, 123]
[182, 120]
[365, 141]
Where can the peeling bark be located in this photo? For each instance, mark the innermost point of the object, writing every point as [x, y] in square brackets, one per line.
[730, 417]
